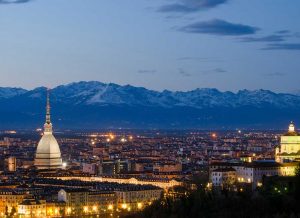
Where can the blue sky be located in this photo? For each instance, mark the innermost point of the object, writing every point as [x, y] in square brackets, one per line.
[158, 44]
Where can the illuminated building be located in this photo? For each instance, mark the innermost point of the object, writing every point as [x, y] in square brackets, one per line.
[56, 209]
[48, 154]
[289, 149]
[252, 173]
[31, 207]
[9, 199]
[223, 177]
[162, 183]
[134, 199]
[80, 201]
[12, 164]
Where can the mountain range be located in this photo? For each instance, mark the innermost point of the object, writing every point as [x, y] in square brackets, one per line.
[93, 105]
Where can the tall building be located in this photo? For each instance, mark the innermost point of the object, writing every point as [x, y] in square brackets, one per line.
[12, 164]
[289, 149]
[48, 154]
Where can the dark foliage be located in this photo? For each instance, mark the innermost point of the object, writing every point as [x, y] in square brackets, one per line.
[214, 205]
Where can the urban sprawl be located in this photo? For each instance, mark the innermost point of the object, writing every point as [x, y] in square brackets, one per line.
[111, 173]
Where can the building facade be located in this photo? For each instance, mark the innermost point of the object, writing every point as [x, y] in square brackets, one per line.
[289, 149]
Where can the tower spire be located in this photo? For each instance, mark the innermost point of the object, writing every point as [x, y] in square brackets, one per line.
[48, 120]
[48, 124]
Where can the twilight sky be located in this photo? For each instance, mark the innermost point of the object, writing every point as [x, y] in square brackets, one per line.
[158, 44]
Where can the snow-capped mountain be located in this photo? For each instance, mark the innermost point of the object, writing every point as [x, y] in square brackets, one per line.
[97, 93]
[97, 104]
[6, 92]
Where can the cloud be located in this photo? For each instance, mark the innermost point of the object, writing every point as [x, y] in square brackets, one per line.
[297, 35]
[14, 1]
[219, 27]
[214, 71]
[176, 8]
[270, 38]
[183, 73]
[277, 36]
[199, 59]
[283, 32]
[189, 6]
[276, 74]
[147, 71]
[219, 70]
[283, 46]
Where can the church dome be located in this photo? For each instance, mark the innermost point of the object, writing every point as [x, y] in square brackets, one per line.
[291, 127]
[292, 130]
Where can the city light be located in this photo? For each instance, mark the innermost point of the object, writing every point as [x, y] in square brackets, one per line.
[124, 206]
[110, 207]
[95, 208]
[214, 135]
[139, 205]
[10, 132]
[69, 210]
[112, 136]
[93, 179]
[85, 209]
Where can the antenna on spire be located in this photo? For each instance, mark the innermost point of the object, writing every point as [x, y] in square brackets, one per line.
[48, 121]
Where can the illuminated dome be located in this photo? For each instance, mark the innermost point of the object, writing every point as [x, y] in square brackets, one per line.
[48, 154]
[292, 127]
[292, 130]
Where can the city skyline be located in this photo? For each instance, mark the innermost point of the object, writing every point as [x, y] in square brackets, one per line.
[175, 45]
[149, 108]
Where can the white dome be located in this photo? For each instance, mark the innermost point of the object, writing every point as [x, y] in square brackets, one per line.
[49, 146]
[48, 154]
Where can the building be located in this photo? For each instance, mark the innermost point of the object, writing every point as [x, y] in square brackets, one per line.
[12, 164]
[137, 199]
[167, 167]
[31, 207]
[113, 167]
[159, 182]
[224, 177]
[251, 173]
[75, 199]
[56, 209]
[84, 201]
[48, 154]
[90, 168]
[9, 200]
[289, 149]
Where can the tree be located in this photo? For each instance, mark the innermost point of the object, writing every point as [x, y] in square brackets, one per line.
[62, 211]
[297, 182]
[6, 210]
[13, 211]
